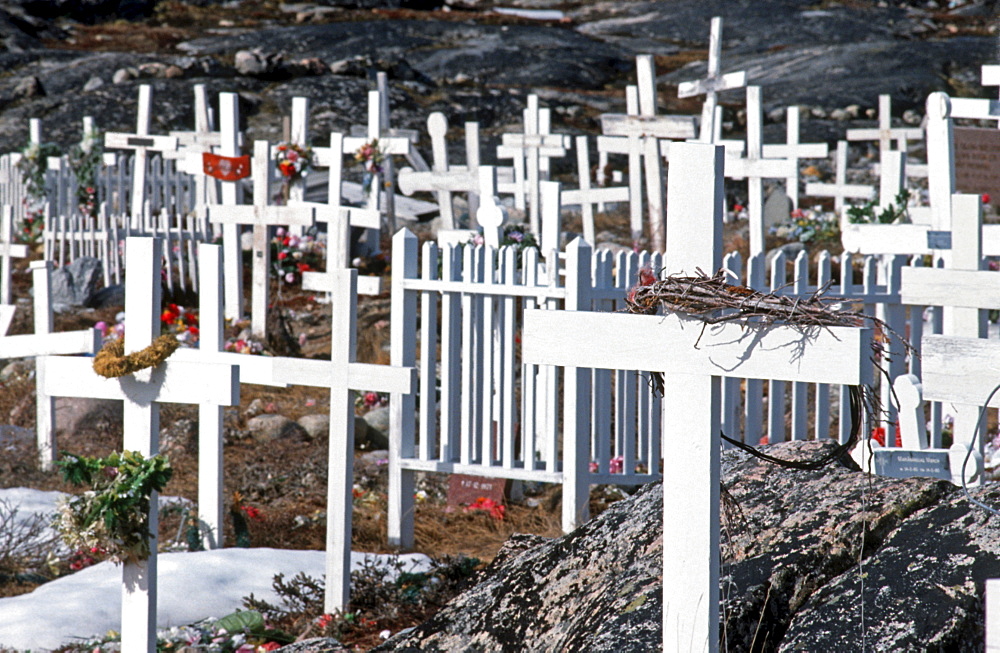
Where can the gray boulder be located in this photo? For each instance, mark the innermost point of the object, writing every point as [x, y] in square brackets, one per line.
[73, 414]
[316, 426]
[270, 427]
[73, 284]
[791, 579]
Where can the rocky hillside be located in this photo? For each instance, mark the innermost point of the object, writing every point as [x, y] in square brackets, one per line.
[63, 59]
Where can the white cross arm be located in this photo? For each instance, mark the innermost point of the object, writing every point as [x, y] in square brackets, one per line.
[356, 217]
[514, 151]
[847, 190]
[521, 141]
[190, 139]
[738, 168]
[264, 215]
[15, 250]
[960, 370]
[623, 145]
[905, 239]
[975, 108]
[620, 124]
[456, 180]
[679, 343]
[736, 79]
[393, 146]
[800, 150]
[253, 369]
[412, 135]
[86, 341]
[323, 282]
[579, 196]
[943, 287]
[115, 140]
[171, 382]
[360, 376]
[874, 134]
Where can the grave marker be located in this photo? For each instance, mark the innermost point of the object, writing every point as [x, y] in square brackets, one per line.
[587, 196]
[229, 124]
[465, 490]
[143, 392]
[885, 133]
[977, 160]
[693, 357]
[8, 250]
[840, 190]
[713, 83]
[793, 149]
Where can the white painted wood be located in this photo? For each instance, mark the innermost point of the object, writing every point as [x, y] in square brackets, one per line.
[992, 589]
[755, 168]
[793, 150]
[586, 196]
[840, 190]
[229, 118]
[940, 159]
[8, 250]
[712, 83]
[885, 134]
[491, 215]
[551, 216]
[260, 216]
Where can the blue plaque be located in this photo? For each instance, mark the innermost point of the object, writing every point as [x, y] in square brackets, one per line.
[905, 463]
[939, 240]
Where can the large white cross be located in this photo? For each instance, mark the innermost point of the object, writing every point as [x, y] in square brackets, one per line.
[586, 196]
[794, 150]
[840, 190]
[143, 392]
[342, 374]
[755, 168]
[141, 142]
[444, 179]
[693, 357]
[229, 129]
[712, 83]
[641, 131]
[261, 215]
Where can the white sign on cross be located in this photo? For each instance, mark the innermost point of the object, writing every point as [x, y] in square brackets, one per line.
[840, 190]
[444, 179]
[342, 374]
[143, 392]
[712, 83]
[261, 215]
[693, 357]
[755, 168]
[141, 142]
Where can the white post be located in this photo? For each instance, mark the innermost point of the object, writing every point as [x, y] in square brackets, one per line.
[210, 416]
[229, 124]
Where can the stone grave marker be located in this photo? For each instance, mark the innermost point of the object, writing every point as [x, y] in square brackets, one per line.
[693, 357]
[777, 208]
[143, 392]
[713, 83]
[977, 160]
[465, 490]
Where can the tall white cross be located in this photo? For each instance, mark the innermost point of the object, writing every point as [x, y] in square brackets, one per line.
[586, 196]
[143, 392]
[192, 144]
[712, 83]
[342, 374]
[141, 142]
[693, 357]
[755, 168]
[261, 215]
[840, 190]
[229, 128]
[794, 150]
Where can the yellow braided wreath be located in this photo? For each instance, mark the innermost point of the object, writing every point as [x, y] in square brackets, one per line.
[111, 362]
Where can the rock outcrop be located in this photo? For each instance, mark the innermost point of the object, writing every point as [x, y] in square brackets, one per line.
[823, 561]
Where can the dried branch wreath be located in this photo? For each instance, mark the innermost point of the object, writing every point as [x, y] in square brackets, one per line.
[111, 362]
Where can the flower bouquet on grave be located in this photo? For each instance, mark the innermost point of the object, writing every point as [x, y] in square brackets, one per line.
[810, 226]
[371, 157]
[513, 235]
[293, 255]
[85, 160]
[293, 161]
[34, 163]
[181, 322]
[113, 515]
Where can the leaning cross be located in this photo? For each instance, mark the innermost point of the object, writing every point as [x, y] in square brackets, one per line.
[693, 357]
[342, 374]
[712, 83]
[261, 215]
[142, 143]
[143, 392]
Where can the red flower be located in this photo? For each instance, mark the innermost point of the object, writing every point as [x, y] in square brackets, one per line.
[168, 316]
[986, 198]
[878, 434]
[282, 255]
[324, 620]
[738, 207]
[252, 513]
[304, 267]
[286, 168]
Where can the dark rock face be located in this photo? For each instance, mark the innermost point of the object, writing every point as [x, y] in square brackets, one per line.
[791, 578]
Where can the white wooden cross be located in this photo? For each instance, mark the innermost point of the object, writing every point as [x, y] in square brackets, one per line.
[261, 215]
[192, 144]
[885, 134]
[8, 249]
[334, 212]
[391, 145]
[342, 374]
[143, 392]
[46, 343]
[445, 179]
[840, 190]
[587, 196]
[693, 357]
[141, 142]
[713, 83]
[969, 291]
[229, 129]
[794, 150]
[755, 168]
[530, 152]
[642, 130]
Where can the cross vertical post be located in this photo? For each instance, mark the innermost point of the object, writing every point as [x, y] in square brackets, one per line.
[229, 125]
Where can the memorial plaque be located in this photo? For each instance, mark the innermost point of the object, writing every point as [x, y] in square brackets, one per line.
[977, 161]
[906, 463]
[464, 489]
[939, 240]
